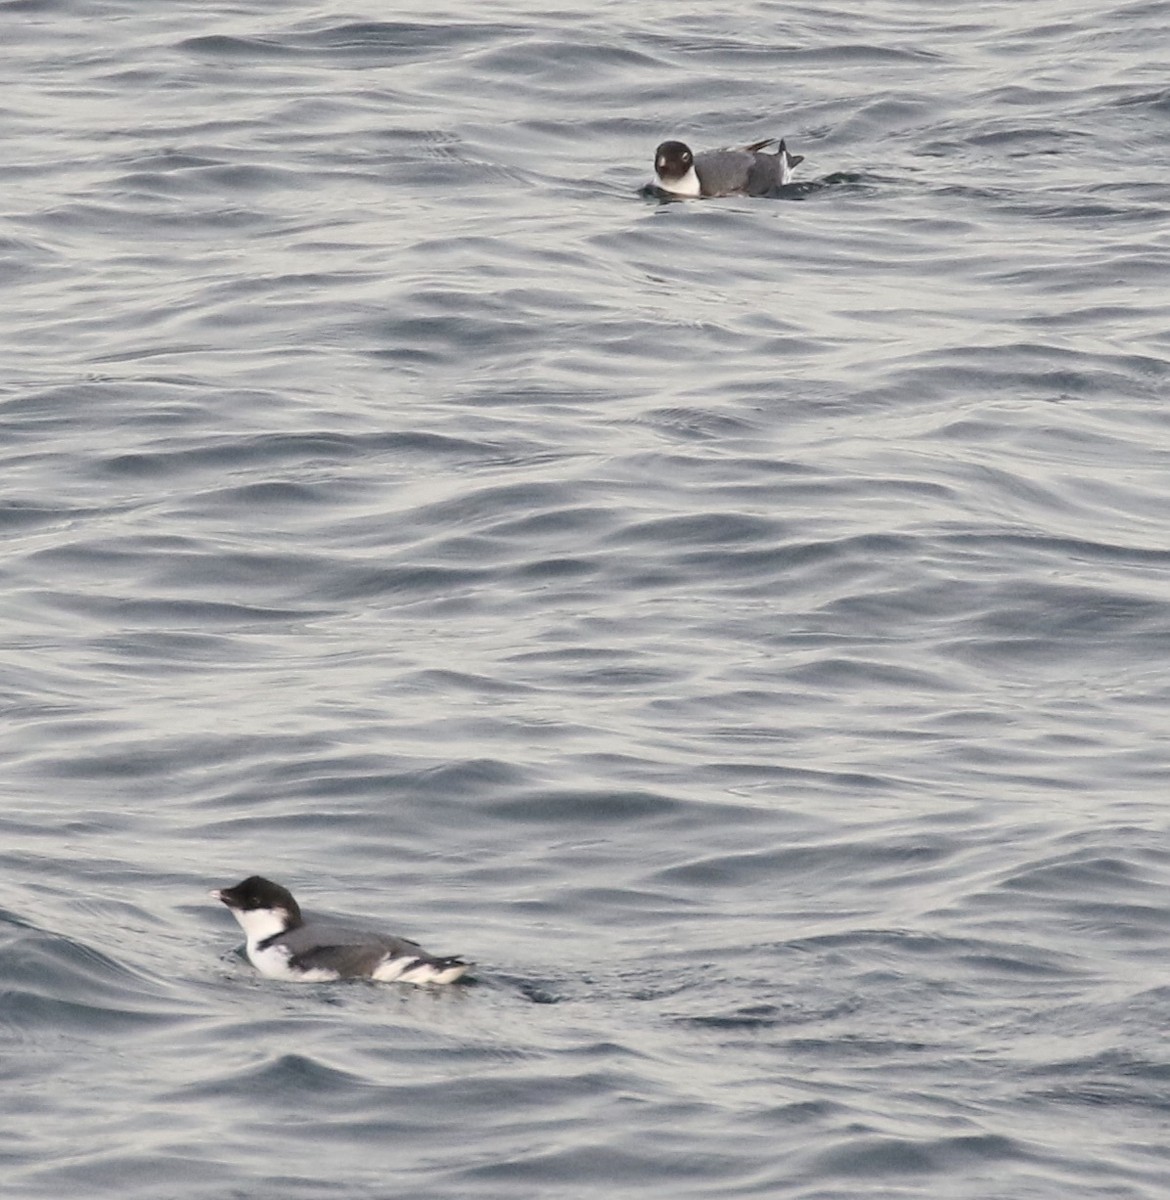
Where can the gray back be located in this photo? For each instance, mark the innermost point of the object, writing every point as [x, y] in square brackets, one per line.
[723, 171]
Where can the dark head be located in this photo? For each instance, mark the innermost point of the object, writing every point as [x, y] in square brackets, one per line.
[257, 893]
[672, 160]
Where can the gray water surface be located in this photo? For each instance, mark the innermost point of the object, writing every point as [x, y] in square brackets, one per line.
[740, 626]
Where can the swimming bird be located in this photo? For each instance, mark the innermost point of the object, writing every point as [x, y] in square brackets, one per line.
[736, 170]
[283, 945]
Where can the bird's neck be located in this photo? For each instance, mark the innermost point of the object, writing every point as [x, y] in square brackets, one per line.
[262, 923]
[686, 185]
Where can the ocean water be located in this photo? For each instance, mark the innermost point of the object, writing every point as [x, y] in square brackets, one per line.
[741, 626]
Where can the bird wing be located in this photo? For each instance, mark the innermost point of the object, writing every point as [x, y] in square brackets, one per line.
[722, 172]
[347, 961]
[347, 951]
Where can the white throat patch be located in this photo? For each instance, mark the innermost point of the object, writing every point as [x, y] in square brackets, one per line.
[260, 923]
[688, 185]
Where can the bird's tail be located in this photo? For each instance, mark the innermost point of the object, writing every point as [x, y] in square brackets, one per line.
[792, 160]
[787, 162]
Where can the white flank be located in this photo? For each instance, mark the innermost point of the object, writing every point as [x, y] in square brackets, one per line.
[272, 962]
[405, 969]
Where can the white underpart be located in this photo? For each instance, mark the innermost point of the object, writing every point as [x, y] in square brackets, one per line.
[785, 169]
[688, 185]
